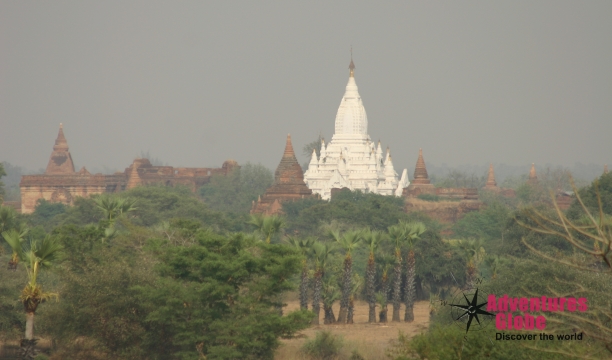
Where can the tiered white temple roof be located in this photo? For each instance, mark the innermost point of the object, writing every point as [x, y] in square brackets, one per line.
[351, 159]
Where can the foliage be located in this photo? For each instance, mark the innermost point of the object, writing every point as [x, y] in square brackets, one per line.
[447, 343]
[325, 346]
[591, 240]
[2, 173]
[589, 194]
[159, 203]
[219, 298]
[429, 197]
[46, 211]
[353, 208]
[487, 223]
[460, 179]
[12, 321]
[100, 302]
[236, 191]
[267, 226]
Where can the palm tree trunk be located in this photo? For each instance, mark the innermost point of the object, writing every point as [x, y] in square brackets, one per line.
[470, 273]
[385, 289]
[346, 289]
[29, 333]
[28, 349]
[370, 279]
[304, 289]
[410, 290]
[330, 318]
[397, 288]
[351, 310]
[316, 296]
[382, 316]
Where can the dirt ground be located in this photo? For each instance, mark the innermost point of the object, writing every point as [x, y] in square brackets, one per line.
[370, 340]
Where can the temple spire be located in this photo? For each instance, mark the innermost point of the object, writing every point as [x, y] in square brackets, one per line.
[605, 168]
[60, 161]
[491, 183]
[289, 147]
[420, 171]
[532, 174]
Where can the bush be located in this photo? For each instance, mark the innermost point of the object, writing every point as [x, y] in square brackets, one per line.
[429, 197]
[324, 346]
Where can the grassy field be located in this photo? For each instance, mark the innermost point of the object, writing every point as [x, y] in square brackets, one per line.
[370, 340]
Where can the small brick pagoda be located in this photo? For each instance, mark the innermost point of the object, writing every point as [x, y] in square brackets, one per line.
[288, 185]
[451, 203]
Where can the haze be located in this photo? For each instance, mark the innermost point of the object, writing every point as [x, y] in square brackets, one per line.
[197, 83]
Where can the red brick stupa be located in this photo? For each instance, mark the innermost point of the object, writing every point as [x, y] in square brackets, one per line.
[420, 184]
[288, 185]
[491, 183]
[60, 161]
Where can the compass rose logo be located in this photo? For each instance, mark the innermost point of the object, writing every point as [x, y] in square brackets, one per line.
[465, 310]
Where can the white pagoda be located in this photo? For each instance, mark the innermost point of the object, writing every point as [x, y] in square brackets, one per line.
[351, 160]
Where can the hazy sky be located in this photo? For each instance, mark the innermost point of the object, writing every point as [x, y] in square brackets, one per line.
[199, 82]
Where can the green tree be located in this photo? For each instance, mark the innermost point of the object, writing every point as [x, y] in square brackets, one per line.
[348, 241]
[372, 241]
[598, 192]
[8, 218]
[321, 253]
[218, 299]
[267, 226]
[397, 234]
[413, 232]
[590, 235]
[303, 246]
[329, 296]
[14, 239]
[2, 173]
[41, 255]
[236, 191]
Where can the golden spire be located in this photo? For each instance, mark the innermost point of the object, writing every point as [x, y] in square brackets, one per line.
[351, 65]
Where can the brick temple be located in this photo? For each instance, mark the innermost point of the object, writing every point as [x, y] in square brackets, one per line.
[288, 185]
[61, 183]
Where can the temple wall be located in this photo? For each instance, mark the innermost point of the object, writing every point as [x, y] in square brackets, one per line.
[65, 194]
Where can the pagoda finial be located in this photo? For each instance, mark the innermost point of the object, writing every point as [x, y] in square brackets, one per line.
[420, 171]
[532, 172]
[605, 168]
[491, 183]
[289, 147]
[352, 65]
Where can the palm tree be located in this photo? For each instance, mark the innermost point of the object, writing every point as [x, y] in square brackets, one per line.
[413, 232]
[267, 226]
[41, 255]
[330, 295]
[473, 253]
[397, 233]
[385, 261]
[381, 299]
[15, 239]
[349, 241]
[113, 208]
[372, 240]
[321, 253]
[7, 218]
[355, 288]
[303, 246]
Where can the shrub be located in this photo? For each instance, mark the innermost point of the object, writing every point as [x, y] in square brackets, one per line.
[429, 197]
[324, 346]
